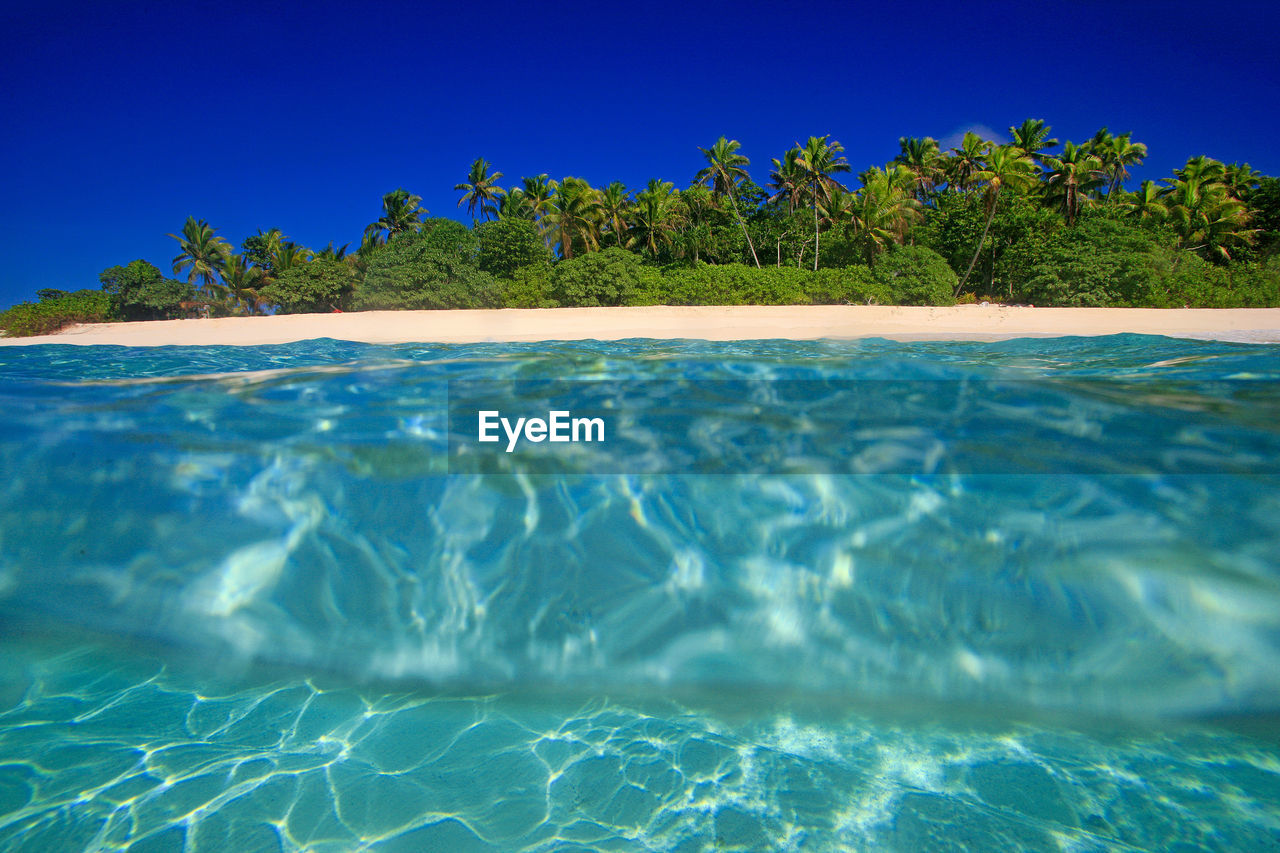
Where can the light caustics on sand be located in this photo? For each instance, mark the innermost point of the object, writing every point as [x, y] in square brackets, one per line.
[668, 658]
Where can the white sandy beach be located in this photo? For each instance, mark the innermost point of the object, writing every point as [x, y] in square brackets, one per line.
[796, 322]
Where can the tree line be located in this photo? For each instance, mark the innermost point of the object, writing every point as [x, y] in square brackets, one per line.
[1032, 221]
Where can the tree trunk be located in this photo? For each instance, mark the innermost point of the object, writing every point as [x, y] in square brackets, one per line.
[741, 222]
[815, 229]
[990, 216]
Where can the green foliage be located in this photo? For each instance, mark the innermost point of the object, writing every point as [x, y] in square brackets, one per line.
[530, 287]
[1187, 280]
[1015, 243]
[322, 285]
[51, 315]
[1256, 285]
[1264, 201]
[401, 213]
[851, 285]
[739, 284]
[1097, 262]
[259, 248]
[1020, 235]
[431, 268]
[915, 275]
[611, 277]
[1013, 222]
[506, 245]
[139, 291]
[452, 238]
[202, 253]
[841, 247]
[784, 238]
[952, 228]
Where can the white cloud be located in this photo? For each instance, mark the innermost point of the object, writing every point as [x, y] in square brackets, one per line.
[953, 139]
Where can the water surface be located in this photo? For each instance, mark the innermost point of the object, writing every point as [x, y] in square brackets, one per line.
[1018, 595]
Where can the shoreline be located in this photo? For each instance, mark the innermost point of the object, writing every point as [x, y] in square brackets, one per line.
[717, 323]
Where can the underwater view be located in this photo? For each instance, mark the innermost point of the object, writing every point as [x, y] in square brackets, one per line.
[854, 595]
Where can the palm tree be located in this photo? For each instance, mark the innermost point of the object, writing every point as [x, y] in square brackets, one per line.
[329, 253]
[924, 159]
[1201, 170]
[836, 208]
[884, 209]
[1146, 203]
[259, 248]
[203, 253]
[538, 192]
[1071, 178]
[1007, 167]
[1208, 220]
[288, 254]
[965, 162]
[573, 216]
[1116, 153]
[787, 179]
[653, 220]
[693, 213]
[1203, 213]
[514, 204]
[615, 205]
[819, 160]
[1240, 180]
[481, 190]
[401, 211]
[1099, 142]
[725, 168]
[368, 243]
[1031, 138]
[242, 282]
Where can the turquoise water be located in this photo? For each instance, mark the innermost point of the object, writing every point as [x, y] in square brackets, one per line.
[809, 596]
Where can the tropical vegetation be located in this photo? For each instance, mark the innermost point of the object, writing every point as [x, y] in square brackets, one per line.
[1034, 221]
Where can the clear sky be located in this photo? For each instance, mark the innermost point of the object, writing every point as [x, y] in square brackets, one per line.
[120, 119]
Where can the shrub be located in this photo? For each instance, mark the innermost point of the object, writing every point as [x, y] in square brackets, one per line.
[1097, 262]
[915, 275]
[51, 315]
[853, 285]
[1015, 242]
[431, 268]
[1186, 279]
[139, 291]
[1257, 285]
[611, 277]
[740, 284]
[732, 284]
[509, 244]
[319, 286]
[530, 287]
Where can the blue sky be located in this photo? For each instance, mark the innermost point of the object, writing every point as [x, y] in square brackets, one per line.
[123, 118]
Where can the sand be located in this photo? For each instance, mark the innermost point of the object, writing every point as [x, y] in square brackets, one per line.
[797, 322]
